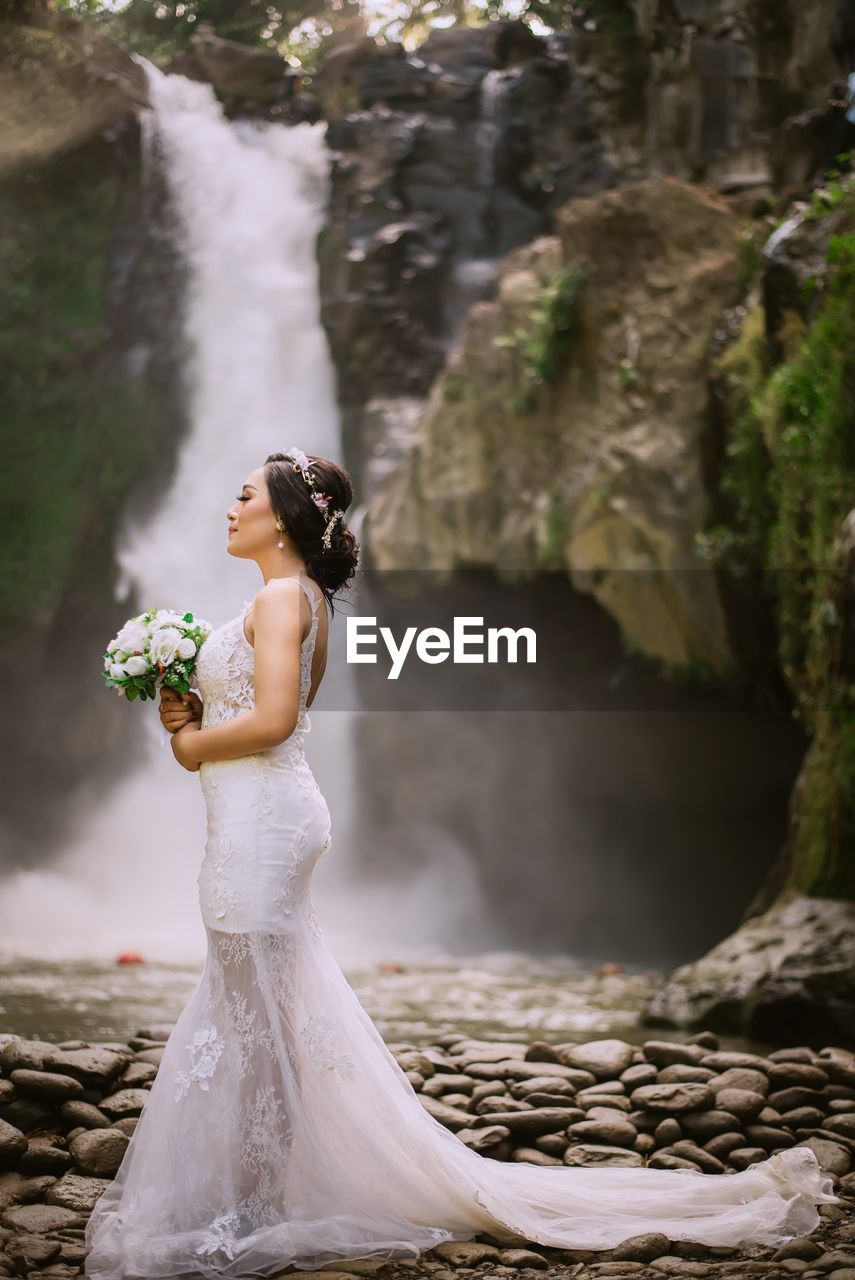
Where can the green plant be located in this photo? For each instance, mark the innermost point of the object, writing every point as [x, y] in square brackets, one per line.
[543, 346]
[790, 474]
[553, 533]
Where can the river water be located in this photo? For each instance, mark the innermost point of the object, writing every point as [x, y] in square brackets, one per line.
[498, 995]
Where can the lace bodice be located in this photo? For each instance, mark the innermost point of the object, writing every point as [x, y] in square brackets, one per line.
[225, 670]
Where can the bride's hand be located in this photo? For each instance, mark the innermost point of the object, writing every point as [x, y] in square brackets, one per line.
[179, 742]
[176, 710]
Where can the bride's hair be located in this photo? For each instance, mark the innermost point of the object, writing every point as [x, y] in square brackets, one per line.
[291, 499]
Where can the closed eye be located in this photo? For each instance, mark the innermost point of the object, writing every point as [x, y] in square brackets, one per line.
[242, 497]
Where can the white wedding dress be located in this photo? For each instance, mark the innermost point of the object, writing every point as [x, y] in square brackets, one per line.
[280, 1129]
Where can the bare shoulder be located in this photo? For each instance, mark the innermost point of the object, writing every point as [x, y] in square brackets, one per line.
[278, 602]
[279, 589]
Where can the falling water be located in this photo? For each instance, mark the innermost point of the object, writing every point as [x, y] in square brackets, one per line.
[249, 201]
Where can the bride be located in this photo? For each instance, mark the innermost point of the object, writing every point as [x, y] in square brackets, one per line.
[280, 1129]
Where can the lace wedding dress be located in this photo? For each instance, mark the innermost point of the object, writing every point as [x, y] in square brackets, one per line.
[280, 1129]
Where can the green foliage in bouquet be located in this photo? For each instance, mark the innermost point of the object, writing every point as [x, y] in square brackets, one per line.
[156, 648]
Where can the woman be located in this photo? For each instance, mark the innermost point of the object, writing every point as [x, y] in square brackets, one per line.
[279, 1128]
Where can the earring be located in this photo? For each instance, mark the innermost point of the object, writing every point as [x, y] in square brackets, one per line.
[281, 529]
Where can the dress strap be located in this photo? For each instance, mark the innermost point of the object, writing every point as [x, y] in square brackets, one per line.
[313, 599]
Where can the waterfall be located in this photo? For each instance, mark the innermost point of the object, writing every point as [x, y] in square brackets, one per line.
[249, 202]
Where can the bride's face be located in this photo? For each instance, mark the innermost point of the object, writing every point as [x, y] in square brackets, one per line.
[252, 522]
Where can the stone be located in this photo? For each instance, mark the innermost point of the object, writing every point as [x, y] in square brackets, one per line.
[43, 1156]
[15, 1188]
[521, 1258]
[149, 1055]
[612, 1132]
[768, 1137]
[126, 1125]
[679, 1073]
[553, 1100]
[638, 1073]
[722, 1145]
[533, 1122]
[517, 1069]
[35, 1219]
[488, 1106]
[13, 1144]
[531, 1155]
[540, 1051]
[73, 1191]
[843, 1124]
[469, 1051]
[785, 1074]
[594, 1154]
[417, 1062]
[33, 1251]
[93, 1067]
[99, 1151]
[137, 1074]
[666, 1053]
[802, 1247]
[833, 1156]
[85, 1114]
[27, 1114]
[741, 1078]
[47, 1086]
[760, 979]
[795, 1096]
[127, 1102]
[448, 1082]
[465, 1253]
[486, 1139]
[552, 1144]
[667, 1160]
[669, 1265]
[705, 1160]
[453, 1118]
[643, 1248]
[673, 1097]
[703, 1125]
[742, 1103]
[743, 1157]
[667, 1131]
[33, 1055]
[605, 1059]
[543, 1084]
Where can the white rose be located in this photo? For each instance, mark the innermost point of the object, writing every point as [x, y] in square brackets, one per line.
[164, 645]
[131, 638]
[186, 647]
[136, 666]
[117, 671]
[168, 618]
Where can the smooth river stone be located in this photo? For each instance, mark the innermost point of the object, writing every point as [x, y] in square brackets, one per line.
[666, 1053]
[46, 1086]
[742, 1103]
[531, 1123]
[605, 1059]
[741, 1078]
[99, 1151]
[94, 1067]
[34, 1219]
[673, 1097]
[13, 1144]
[590, 1155]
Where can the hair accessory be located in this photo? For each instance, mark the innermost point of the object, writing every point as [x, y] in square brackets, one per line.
[321, 500]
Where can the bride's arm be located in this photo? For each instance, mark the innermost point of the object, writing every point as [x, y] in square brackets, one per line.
[276, 619]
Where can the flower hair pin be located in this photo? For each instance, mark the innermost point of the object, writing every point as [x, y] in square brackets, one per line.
[300, 462]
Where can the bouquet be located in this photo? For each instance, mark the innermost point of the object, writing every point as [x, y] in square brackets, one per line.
[155, 648]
